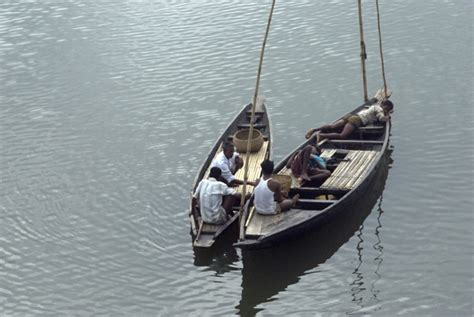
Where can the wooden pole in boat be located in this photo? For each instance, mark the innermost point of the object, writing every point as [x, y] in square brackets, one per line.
[363, 54]
[254, 103]
[381, 50]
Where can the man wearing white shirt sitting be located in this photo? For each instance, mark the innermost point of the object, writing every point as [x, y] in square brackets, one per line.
[229, 162]
[215, 198]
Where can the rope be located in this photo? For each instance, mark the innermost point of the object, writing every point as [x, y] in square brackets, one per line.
[381, 50]
[254, 103]
[363, 54]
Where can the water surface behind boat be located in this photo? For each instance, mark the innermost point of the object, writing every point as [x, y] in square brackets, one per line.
[108, 110]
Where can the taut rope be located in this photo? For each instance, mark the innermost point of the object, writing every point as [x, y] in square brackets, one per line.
[381, 50]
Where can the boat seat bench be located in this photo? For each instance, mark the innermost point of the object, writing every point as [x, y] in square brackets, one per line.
[209, 228]
[255, 126]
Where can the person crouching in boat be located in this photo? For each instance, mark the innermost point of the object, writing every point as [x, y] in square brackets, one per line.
[215, 198]
[229, 162]
[373, 114]
[307, 165]
[268, 198]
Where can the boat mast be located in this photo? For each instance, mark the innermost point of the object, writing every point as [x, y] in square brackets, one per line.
[252, 117]
[363, 54]
[381, 50]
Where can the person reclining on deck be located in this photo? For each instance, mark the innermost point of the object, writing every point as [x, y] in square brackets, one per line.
[229, 162]
[375, 113]
[215, 198]
[268, 198]
[307, 165]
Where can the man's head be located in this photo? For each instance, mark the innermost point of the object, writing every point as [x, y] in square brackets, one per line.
[267, 167]
[215, 172]
[387, 106]
[228, 148]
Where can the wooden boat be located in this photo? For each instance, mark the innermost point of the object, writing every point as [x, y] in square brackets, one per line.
[204, 234]
[294, 258]
[356, 161]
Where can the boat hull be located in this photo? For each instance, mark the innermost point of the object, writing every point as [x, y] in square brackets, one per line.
[278, 231]
[205, 235]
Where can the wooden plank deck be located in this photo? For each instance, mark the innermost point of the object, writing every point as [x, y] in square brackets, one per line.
[254, 170]
[261, 224]
[257, 224]
[349, 173]
[254, 166]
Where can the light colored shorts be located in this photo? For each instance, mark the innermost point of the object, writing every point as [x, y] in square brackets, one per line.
[354, 120]
[221, 217]
[274, 212]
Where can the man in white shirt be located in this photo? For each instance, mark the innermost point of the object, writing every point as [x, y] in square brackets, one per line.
[229, 162]
[351, 122]
[215, 199]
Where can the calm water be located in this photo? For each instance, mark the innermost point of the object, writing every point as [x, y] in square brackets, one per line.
[108, 109]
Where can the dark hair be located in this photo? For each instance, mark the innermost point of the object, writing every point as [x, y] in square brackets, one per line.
[388, 104]
[215, 172]
[227, 144]
[267, 167]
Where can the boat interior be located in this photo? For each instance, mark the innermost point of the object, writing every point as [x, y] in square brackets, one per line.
[206, 233]
[349, 162]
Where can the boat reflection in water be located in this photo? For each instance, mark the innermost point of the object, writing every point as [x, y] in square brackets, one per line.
[221, 256]
[266, 272]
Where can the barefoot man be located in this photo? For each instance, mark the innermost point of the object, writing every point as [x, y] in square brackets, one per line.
[268, 198]
[351, 122]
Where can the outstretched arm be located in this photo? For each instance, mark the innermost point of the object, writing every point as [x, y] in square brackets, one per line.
[381, 115]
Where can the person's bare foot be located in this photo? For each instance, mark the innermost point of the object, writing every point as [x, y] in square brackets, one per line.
[309, 133]
[304, 176]
[295, 199]
[300, 181]
[318, 137]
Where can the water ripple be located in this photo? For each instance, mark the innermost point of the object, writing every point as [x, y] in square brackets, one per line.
[108, 111]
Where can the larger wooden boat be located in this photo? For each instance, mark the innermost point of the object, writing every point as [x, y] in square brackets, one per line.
[204, 234]
[355, 162]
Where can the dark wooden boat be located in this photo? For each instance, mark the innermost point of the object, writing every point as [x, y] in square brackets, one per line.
[291, 260]
[205, 235]
[355, 162]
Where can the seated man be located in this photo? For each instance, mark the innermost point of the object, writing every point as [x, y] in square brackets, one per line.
[351, 122]
[268, 199]
[307, 165]
[229, 162]
[215, 198]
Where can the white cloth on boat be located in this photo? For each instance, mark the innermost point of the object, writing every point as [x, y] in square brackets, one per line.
[264, 199]
[226, 165]
[371, 115]
[209, 193]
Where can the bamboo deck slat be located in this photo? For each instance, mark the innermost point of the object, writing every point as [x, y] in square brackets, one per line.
[254, 167]
[348, 174]
[254, 170]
